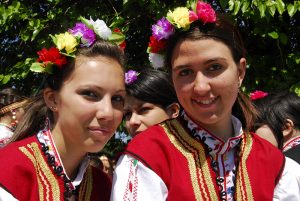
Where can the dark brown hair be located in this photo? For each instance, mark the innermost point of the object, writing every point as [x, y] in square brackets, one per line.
[37, 112]
[222, 30]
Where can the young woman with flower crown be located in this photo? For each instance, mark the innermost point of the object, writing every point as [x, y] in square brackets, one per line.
[206, 153]
[77, 112]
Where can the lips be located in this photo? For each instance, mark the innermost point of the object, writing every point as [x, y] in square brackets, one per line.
[207, 101]
[100, 130]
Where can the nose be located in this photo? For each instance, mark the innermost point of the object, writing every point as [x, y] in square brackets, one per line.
[134, 120]
[105, 110]
[201, 84]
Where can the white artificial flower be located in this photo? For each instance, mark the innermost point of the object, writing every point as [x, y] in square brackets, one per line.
[101, 29]
[157, 60]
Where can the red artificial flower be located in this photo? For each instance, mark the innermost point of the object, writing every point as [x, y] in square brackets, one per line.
[156, 45]
[123, 45]
[205, 12]
[52, 55]
[258, 95]
[117, 30]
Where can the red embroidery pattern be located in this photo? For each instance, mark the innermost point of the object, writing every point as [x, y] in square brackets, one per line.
[132, 183]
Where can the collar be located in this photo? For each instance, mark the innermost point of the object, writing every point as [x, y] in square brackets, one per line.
[217, 145]
[291, 143]
[45, 137]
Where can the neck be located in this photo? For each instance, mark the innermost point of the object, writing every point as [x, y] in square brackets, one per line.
[295, 133]
[70, 156]
[222, 129]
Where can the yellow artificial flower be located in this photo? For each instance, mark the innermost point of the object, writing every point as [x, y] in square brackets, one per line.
[66, 41]
[179, 17]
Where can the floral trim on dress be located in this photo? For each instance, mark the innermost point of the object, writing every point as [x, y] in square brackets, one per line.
[53, 159]
[291, 143]
[223, 154]
[132, 183]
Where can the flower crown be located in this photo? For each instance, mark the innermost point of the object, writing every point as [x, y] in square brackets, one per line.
[179, 19]
[131, 76]
[258, 95]
[83, 34]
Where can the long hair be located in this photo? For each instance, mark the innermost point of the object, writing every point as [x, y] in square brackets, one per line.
[222, 30]
[37, 112]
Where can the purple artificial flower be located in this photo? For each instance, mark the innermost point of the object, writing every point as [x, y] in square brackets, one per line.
[131, 76]
[87, 35]
[163, 29]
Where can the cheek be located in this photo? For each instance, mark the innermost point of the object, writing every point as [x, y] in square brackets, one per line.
[118, 115]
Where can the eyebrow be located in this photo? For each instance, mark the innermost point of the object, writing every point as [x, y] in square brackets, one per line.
[179, 67]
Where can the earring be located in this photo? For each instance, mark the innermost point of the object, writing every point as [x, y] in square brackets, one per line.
[53, 108]
[14, 122]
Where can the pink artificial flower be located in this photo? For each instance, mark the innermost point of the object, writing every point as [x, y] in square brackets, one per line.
[205, 12]
[192, 16]
[258, 95]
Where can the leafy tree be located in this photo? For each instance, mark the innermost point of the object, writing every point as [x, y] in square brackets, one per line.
[270, 29]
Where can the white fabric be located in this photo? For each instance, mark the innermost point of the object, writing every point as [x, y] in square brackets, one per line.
[150, 186]
[5, 134]
[6, 196]
[288, 187]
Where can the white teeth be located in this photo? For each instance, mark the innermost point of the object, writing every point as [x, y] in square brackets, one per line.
[205, 102]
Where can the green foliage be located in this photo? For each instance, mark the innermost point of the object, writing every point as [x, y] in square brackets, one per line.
[270, 28]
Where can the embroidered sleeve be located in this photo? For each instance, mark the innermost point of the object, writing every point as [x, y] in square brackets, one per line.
[133, 181]
[288, 187]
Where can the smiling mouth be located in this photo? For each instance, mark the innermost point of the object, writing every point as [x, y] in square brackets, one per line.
[206, 102]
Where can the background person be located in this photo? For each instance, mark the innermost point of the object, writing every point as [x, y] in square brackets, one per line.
[12, 105]
[279, 121]
[150, 99]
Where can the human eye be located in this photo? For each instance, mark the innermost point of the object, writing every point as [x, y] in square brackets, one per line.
[89, 94]
[185, 72]
[215, 67]
[118, 101]
[144, 109]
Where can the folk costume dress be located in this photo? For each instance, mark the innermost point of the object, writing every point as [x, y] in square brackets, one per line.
[177, 160]
[31, 169]
[6, 133]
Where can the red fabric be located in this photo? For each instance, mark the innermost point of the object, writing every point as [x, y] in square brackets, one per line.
[19, 177]
[264, 165]
[155, 150]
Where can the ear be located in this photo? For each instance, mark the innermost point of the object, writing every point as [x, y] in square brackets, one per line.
[241, 70]
[288, 129]
[50, 97]
[173, 110]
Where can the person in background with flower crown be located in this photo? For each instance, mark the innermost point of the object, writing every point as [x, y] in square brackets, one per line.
[207, 153]
[76, 114]
[12, 105]
[279, 120]
[150, 99]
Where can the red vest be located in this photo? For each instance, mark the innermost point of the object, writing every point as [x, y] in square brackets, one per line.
[26, 174]
[183, 164]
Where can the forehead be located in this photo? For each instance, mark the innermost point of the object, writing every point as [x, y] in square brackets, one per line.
[202, 48]
[132, 102]
[97, 69]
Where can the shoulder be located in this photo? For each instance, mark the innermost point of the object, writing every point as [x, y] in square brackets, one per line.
[262, 145]
[18, 166]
